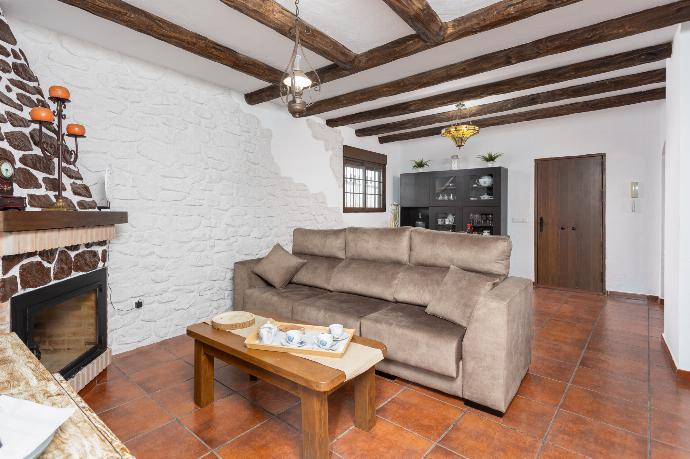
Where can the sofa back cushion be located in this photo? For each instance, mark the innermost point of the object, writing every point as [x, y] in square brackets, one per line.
[418, 284]
[367, 278]
[318, 271]
[472, 252]
[322, 243]
[378, 244]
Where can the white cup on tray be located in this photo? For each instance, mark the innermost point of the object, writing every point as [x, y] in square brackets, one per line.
[324, 340]
[336, 330]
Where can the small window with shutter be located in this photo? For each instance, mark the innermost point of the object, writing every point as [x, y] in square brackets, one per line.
[364, 180]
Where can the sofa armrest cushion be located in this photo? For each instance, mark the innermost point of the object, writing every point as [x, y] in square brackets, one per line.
[278, 267]
[497, 347]
[244, 279]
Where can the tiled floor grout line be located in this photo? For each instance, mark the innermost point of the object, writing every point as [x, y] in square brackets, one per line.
[443, 435]
[243, 433]
[568, 384]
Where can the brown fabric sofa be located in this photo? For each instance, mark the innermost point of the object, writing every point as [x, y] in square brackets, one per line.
[379, 282]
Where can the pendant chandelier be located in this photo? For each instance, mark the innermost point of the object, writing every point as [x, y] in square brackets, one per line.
[296, 88]
[459, 132]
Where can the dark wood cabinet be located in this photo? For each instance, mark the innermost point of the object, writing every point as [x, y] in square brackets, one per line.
[449, 200]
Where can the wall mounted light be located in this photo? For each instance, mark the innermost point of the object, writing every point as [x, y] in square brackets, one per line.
[634, 194]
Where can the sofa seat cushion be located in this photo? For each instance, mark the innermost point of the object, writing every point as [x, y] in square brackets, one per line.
[367, 278]
[269, 300]
[341, 308]
[416, 338]
[419, 284]
[318, 271]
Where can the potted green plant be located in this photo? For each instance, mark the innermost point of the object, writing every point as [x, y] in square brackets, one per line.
[419, 164]
[490, 158]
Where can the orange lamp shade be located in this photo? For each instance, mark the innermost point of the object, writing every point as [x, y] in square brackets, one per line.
[76, 130]
[58, 92]
[41, 114]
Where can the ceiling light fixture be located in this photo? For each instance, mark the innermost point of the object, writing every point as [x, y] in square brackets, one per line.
[295, 84]
[459, 132]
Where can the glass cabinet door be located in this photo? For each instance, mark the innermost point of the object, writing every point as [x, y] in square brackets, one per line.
[483, 220]
[444, 218]
[444, 189]
[482, 187]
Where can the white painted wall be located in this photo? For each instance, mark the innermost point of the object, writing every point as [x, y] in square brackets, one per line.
[206, 179]
[677, 205]
[632, 139]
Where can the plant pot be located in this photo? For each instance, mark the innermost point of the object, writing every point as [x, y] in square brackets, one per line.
[490, 163]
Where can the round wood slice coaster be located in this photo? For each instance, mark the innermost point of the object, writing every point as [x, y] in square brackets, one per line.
[233, 320]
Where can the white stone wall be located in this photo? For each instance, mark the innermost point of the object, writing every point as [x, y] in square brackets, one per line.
[194, 170]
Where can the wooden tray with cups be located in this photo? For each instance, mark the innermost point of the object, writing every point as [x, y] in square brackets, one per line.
[331, 341]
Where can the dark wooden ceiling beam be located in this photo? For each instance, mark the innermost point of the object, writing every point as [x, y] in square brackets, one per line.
[420, 17]
[154, 26]
[533, 80]
[625, 26]
[499, 14]
[542, 113]
[274, 16]
[572, 92]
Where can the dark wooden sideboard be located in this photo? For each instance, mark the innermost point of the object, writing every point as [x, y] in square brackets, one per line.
[449, 200]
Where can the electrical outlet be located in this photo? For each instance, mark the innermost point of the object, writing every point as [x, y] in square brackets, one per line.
[139, 304]
[519, 219]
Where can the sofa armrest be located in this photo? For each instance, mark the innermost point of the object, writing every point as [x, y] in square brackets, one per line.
[497, 347]
[243, 279]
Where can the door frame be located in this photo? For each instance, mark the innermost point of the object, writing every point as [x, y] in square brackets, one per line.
[603, 220]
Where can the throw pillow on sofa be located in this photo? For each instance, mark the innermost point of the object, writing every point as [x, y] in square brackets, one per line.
[278, 267]
[459, 294]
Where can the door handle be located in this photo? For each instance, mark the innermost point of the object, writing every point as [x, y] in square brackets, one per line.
[562, 228]
[573, 228]
[541, 224]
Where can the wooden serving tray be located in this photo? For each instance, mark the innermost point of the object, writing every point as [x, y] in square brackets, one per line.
[253, 341]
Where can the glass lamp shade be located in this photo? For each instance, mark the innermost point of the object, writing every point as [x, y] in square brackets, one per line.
[302, 81]
[460, 133]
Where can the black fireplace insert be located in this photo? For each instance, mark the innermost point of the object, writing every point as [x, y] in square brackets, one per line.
[64, 324]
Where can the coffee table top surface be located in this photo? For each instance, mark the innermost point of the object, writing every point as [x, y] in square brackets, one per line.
[297, 369]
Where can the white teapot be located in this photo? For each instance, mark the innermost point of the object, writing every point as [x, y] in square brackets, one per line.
[267, 332]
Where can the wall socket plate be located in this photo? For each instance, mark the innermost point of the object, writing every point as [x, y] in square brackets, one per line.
[519, 219]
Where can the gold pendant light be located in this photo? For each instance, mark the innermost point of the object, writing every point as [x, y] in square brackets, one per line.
[296, 88]
[459, 132]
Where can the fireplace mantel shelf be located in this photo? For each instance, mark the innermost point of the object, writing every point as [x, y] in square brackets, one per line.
[49, 220]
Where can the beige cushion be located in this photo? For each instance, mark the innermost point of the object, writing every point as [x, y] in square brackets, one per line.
[415, 338]
[459, 294]
[418, 284]
[367, 278]
[340, 308]
[317, 272]
[473, 252]
[322, 243]
[278, 267]
[272, 301]
[378, 244]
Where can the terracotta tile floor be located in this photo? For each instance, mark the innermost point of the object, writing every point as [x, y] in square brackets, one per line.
[600, 385]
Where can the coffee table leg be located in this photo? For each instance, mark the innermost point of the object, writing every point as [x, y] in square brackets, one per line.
[203, 375]
[314, 424]
[365, 400]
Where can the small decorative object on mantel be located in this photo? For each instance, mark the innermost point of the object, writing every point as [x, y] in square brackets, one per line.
[44, 116]
[233, 320]
[419, 164]
[460, 132]
[455, 162]
[490, 158]
[7, 200]
[395, 215]
[294, 81]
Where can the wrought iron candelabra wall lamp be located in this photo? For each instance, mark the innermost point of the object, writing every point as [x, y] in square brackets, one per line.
[45, 117]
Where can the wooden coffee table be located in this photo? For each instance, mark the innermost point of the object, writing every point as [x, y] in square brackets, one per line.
[310, 381]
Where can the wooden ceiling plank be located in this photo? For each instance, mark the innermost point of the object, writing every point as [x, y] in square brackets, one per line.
[154, 26]
[542, 113]
[499, 14]
[533, 80]
[556, 95]
[273, 15]
[625, 26]
[421, 17]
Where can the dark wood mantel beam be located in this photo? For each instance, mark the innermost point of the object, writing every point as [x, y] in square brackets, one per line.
[274, 16]
[154, 26]
[543, 113]
[533, 80]
[420, 17]
[496, 15]
[556, 95]
[625, 26]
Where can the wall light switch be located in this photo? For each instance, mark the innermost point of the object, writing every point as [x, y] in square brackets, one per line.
[519, 219]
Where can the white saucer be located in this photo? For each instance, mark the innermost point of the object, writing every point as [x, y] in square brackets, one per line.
[342, 337]
[286, 344]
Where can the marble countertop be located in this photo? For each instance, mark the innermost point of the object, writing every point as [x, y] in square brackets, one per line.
[83, 434]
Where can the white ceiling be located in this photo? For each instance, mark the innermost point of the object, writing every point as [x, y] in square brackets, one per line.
[358, 24]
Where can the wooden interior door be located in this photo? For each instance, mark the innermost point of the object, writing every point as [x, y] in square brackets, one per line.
[569, 233]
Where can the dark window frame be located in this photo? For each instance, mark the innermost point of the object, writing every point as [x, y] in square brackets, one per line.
[369, 160]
